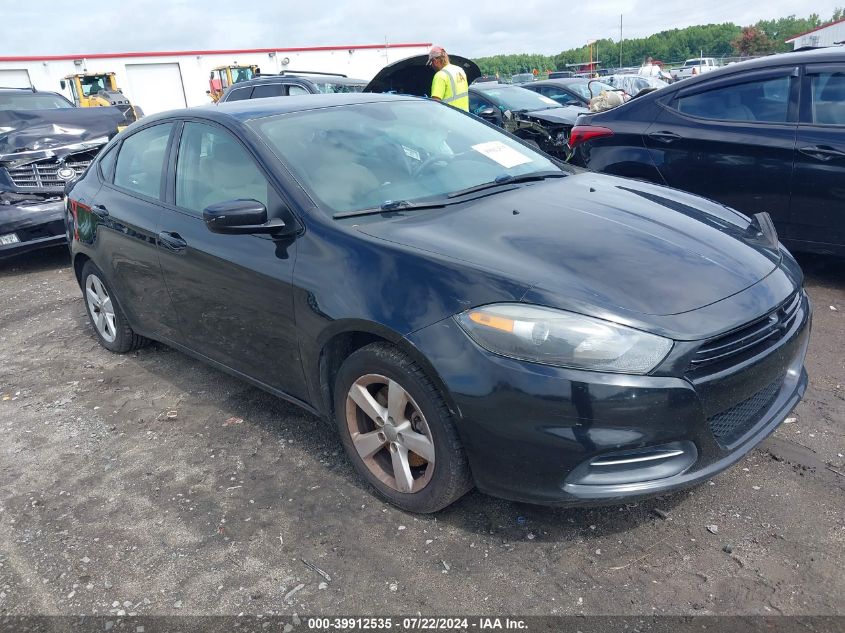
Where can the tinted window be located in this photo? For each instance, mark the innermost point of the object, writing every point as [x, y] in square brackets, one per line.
[764, 100]
[107, 163]
[267, 90]
[140, 163]
[239, 94]
[559, 95]
[213, 167]
[828, 93]
[295, 89]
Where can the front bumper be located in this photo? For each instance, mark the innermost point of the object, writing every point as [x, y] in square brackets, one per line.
[535, 433]
[36, 225]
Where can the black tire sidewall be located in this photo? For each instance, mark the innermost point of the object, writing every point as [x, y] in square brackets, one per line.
[440, 489]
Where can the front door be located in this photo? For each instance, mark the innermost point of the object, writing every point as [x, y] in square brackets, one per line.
[817, 211]
[232, 293]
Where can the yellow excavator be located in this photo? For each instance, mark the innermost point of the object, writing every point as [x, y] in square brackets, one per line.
[224, 76]
[91, 90]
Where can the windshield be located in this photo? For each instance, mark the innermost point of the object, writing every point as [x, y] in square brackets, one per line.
[329, 87]
[583, 88]
[363, 156]
[516, 98]
[32, 101]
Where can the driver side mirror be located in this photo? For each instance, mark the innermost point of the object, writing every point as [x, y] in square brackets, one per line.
[491, 115]
[63, 84]
[240, 217]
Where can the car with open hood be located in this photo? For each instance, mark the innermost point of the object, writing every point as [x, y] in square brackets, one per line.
[532, 117]
[464, 310]
[45, 142]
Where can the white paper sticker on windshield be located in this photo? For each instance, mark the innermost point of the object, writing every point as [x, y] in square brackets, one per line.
[506, 156]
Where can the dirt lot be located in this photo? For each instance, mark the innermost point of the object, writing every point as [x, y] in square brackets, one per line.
[123, 488]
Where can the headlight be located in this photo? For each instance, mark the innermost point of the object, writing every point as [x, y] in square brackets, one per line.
[554, 337]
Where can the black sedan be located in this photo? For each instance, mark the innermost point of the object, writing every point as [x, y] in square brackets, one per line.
[575, 91]
[764, 135]
[462, 309]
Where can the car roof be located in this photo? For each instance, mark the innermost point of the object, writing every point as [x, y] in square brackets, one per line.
[293, 77]
[249, 109]
[816, 55]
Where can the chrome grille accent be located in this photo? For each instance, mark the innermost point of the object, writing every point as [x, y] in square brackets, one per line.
[730, 425]
[747, 340]
[44, 174]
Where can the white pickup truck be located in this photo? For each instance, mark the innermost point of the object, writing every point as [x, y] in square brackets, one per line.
[699, 64]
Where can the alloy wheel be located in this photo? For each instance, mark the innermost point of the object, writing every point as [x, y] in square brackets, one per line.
[390, 433]
[101, 308]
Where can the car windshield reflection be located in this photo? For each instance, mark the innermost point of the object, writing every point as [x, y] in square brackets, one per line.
[368, 155]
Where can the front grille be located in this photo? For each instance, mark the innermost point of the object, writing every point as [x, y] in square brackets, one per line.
[729, 426]
[744, 342]
[45, 174]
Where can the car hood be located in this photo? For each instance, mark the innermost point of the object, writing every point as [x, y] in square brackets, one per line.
[412, 75]
[597, 243]
[27, 136]
[563, 114]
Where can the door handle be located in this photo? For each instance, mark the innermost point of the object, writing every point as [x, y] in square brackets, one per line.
[172, 241]
[664, 137]
[100, 211]
[821, 152]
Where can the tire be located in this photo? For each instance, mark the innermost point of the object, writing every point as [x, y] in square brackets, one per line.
[108, 320]
[426, 481]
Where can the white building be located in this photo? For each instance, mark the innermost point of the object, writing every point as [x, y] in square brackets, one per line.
[826, 35]
[159, 81]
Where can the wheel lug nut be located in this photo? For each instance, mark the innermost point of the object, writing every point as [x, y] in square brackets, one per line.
[381, 437]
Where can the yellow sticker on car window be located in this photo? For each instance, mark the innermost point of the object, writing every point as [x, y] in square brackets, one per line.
[506, 156]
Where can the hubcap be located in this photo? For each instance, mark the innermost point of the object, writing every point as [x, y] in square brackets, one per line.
[390, 433]
[101, 308]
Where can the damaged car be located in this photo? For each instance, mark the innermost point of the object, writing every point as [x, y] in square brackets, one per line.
[537, 119]
[534, 118]
[45, 143]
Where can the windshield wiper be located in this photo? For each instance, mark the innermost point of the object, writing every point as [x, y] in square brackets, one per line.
[392, 205]
[508, 179]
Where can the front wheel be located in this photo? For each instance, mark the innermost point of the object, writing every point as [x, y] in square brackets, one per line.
[398, 432]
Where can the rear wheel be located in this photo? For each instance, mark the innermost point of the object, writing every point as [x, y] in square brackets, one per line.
[398, 432]
[110, 324]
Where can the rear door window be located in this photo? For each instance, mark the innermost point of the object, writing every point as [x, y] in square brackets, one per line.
[267, 90]
[827, 91]
[764, 100]
[141, 163]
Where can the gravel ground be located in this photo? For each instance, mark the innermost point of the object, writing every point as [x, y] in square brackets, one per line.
[127, 487]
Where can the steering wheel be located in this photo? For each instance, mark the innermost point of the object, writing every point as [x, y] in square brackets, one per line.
[430, 162]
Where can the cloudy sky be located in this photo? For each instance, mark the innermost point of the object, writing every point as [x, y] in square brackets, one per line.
[526, 26]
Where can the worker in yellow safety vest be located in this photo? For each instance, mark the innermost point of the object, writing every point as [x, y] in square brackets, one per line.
[450, 83]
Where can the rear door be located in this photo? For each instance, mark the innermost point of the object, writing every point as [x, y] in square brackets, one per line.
[732, 140]
[126, 211]
[232, 293]
[817, 211]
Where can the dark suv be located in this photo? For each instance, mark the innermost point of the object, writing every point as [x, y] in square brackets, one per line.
[292, 83]
[45, 142]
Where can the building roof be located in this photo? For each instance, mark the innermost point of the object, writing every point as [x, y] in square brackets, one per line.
[824, 26]
[239, 51]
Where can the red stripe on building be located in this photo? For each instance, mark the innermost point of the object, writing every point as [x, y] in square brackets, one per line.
[240, 51]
